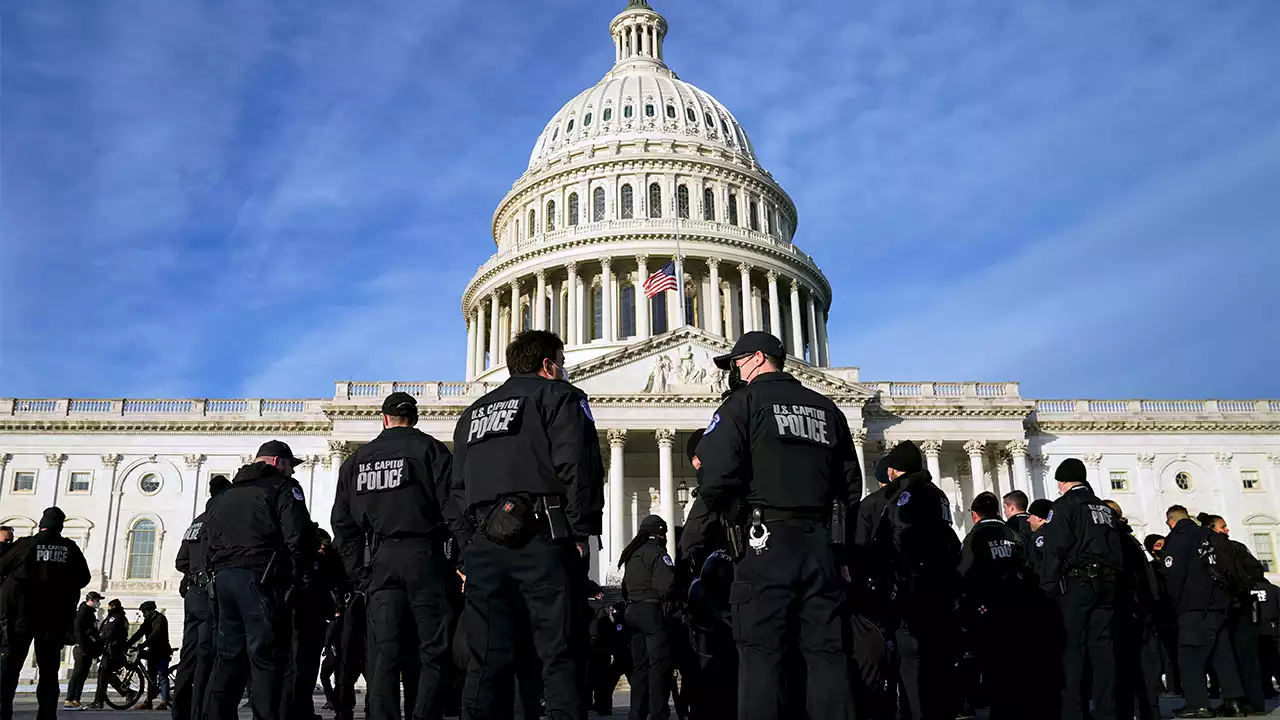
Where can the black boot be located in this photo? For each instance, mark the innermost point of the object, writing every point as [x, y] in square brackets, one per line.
[1190, 712]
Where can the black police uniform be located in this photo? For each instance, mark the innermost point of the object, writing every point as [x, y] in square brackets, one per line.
[1242, 623]
[85, 633]
[648, 574]
[1267, 597]
[1083, 563]
[258, 540]
[40, 580]
[1022, 526]
[610, 653]
[394, 494]
[532, 440]
[784, 450]
[994, 589]
[195, 657]
[114, 635]
[312, 607]
[1137, 638]
[155, 650]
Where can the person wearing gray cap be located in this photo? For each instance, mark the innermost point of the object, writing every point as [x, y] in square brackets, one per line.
[785, 452]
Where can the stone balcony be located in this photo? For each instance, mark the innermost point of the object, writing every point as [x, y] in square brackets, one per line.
[162, 409]
[1067, 413]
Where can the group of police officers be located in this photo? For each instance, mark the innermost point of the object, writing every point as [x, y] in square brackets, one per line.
[792, 595]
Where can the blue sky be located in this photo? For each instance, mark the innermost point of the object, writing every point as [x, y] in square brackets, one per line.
[239, 198]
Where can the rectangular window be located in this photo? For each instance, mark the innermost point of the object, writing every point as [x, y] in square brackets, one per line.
[79, 482]
[1120, 480]
[1249, 480]
[24, 481]
[1263, 550]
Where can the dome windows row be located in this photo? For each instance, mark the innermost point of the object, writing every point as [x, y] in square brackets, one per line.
[733, 138]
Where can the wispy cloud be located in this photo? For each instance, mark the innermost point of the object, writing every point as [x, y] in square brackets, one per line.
[247, 198]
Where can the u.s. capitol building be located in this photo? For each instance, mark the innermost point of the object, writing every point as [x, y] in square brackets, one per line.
[638, 165]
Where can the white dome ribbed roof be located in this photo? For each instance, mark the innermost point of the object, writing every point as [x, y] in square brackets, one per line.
[640, 80]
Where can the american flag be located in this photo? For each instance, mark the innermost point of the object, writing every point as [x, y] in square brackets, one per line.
[661, 281]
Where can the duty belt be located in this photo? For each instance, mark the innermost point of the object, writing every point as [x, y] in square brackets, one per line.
[769, 515]
[1092, 570]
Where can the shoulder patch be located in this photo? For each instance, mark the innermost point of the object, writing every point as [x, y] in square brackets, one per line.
[111, 619]
[904, 498]
[586, 409]
[715, 420]
[1040, 541]
[1168, 561]
[297, 493]
[666, 559]
[1050, 518]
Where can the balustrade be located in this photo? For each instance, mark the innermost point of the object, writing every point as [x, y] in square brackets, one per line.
[220, 407]
[1108, 406]
[168, 407]
[90, 406]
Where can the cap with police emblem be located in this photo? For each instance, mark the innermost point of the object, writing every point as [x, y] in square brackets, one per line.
[752, 342]
[400, 404]
[276, 448]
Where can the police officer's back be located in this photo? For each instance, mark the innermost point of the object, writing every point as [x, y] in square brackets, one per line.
[391, 518]
[527, 471]
[785, 451]
[648, 575]
[195, 658]
[258, 541]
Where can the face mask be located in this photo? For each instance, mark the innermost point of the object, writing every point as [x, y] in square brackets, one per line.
[564, 371]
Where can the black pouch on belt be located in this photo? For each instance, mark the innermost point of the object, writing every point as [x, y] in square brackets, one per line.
[510, 522]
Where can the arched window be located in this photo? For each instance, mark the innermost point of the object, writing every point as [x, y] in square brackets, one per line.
[570, 128]
[526, 317]
[691, 115]
[555, 133]
[708, 204]
[682, 201]
[710, 123]
[691, 310]
[628, 202]
[532, 222]
[551, 215]
[658, 313]
[142, 550]
[597, 204]
[649, 111]
[755, 214]
[655, 200]
[550, 316]
[608, 114]
[597, 313]
[723, 128]
[628, 311]
[586, 120]
[627, 111]
[671, 111]
[733, 209]
[573, 209]
[768, 216]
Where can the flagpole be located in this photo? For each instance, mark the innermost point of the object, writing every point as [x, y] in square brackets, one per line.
[679, 258]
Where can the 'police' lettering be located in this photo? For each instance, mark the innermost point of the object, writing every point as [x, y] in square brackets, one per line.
[1000, 549]
[801, 422]
[379, 475]
[495, 420]
[1102, 515]
[51, 553]
[193, 533]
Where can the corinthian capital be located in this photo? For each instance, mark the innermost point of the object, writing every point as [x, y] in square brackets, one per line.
[1223, 458]
[665, 436]
[975, 447]
[1093, 460]
[931, 448]
[193, 462]
[772, 276]
[54, 460]
[617, 437]
[540, 274]
[1017, 447]
[859, 435]
[572, 267]
[606, 262]
[1147, 460]
[744, 268]
[341, 448]
[888, 444]
[111, 460]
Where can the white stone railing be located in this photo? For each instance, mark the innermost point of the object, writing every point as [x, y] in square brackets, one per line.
[101, 408]
[364, 392]
[914, 390]
[1054, 408]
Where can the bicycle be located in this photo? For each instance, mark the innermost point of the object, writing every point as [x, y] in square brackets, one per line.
[127, 684]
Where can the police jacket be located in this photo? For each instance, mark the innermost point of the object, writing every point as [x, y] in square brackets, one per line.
[44, 572]
[991, 559]
[261, 516]
[917, 534]
[156, 631]
[1268, 599]
[1081, 535]
[321, 587]
[397, 486]
[1035, 552]
[1190, 585]
[870, 510]
[190, 560]
[531, 436]
[1022, 527]
[701, 536]
[649, 573]
[1140, 578]
[114, 632]
[86, 628]
[779, 445]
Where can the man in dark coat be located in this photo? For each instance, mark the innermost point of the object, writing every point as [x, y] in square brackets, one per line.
[85, 633]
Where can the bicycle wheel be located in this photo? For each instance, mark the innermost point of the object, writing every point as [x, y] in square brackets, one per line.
[125, 689]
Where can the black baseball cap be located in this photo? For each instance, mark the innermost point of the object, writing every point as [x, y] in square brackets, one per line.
[400, 404]
[275, 448]
[754, 341]
[93, 595]
[1041, 508]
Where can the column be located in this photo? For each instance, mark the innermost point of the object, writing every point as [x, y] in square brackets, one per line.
[757, 306]
[55, 461]
[495, 329]
[193, 463]
[1018, 451]
[797, 323]
[482, 338]
[748, 322]
[932, 450]
[642, 302]
[1147, 491]
[813, 332]
[1000, 474]
[110, 462]
[824, 352]
[575, 321]
[976, 449]
[471, 347]
[666, 485]
[1092, 461]
[515, 308]
[540, 301]
[1227, 490]
[606, 299]
[644, 50]
[775, 309]
[860, 439]
[617, 475]
[714, 320]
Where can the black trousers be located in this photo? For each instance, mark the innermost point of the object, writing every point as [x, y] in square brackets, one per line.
[603, 671]
[195, 658]
[107, 666]
[328, 673]
[1245, 648]
[19, 636]
[408, 619]
[538, 584]
[871, 670]
[650, 662]
[1169, 657]
[252, 641]
[83, 658]
[1203, 637]
[712, 689]
[305, 647]
[789, 597]
[1089, 641]
[1269, 655]
[1137, 670]
[926, 644]
[351, 656]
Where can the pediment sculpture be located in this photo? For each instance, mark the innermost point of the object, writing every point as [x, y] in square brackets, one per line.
[681, 373]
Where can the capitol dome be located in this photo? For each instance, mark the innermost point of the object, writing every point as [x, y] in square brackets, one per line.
[641, 174]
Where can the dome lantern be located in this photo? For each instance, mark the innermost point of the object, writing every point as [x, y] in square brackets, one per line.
[638, 32]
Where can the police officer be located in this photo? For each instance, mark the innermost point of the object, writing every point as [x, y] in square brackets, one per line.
[1037, 515]
[195, 658]
[1015, 513]
[786, 451]
[258, 541]
[528, 472]
[155, 651]
[114, 635]
[648, 574]
[393, 494]
[312, 607]
[1137, 638]
[1083, 563]
[40, 580]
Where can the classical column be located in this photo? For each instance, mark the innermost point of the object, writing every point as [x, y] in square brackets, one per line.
[666, 484]
[540, 301]
[471, 347]
[109, 462]
[932, 450]
[775, 309]
[1092, 461]
[617, 475]
[976, 449]
[642, 302]
[748, 321]
[606, 299]
[797, 323]
[1040, 465]
[813, 332]
[515, 308]
[1018, 450]
[495, 329]
[193, 463]
[1147, 491]
[1001, 477]
[860, 439]
[575, 320]
[824, 351]
[1226, 490]
[758, 304]
[714, 322]
[55, 462]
